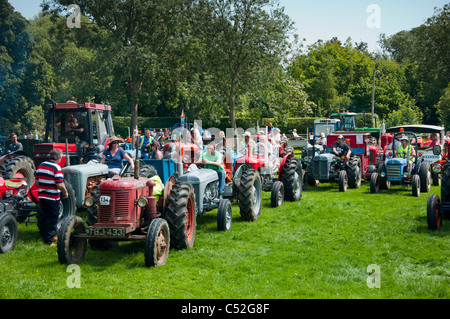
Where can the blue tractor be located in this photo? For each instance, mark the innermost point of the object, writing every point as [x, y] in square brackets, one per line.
[394, 169]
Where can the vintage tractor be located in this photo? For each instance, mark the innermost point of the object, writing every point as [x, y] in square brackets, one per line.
[395, 169]
[126, 210]
[348, 173]
[20, 204]
[282, 176]
[78, 147]
[439, 208]
[423, 145]
[245, 189]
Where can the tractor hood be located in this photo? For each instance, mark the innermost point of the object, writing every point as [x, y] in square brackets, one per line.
[90, 169]
[123, 184]
[204, 176]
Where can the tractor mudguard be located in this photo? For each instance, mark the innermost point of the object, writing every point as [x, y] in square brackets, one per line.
[283, 161]
[237, 175]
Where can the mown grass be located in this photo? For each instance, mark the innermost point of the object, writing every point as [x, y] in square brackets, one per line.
[319, 247]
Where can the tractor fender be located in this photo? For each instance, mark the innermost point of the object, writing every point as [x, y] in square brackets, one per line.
[283, 162]
[12, 155]
[33, 193]
[238, 174]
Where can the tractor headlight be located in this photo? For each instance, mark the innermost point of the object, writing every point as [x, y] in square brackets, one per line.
[437, 168]
[142, 202]
[383, 174]
[88, 202]
[405, 175]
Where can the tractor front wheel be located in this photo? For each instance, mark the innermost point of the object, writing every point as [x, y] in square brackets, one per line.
[224, 215]
[157, 243]
[434, 219]
[292, 179]
[343, 181]
[415, 185]
[8, 232]
[277, 195]
[374, 183]
[425, 177]
[71, 248]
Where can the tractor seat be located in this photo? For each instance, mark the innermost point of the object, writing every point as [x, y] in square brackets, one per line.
[15, 184]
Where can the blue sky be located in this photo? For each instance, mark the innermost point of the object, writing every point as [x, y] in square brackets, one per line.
[324, 19]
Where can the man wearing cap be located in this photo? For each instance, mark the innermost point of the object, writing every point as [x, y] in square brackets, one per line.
[403, 149]
[340, 148]
[247, 145]
[322, 140]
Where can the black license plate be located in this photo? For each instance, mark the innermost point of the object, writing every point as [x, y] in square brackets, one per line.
[106, 231]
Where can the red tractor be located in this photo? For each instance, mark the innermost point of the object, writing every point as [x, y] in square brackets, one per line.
[128, 211]
[439, 208]
[20, 204]
[283, 176]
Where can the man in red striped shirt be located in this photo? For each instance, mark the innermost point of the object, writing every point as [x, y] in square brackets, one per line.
[50, 182]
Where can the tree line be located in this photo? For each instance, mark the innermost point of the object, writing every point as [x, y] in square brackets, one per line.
[213, 59]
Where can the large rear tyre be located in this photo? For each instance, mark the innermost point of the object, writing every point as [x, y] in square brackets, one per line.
[292, 179]
[157, 243]
[249, 195]
[354, 172]
[374, 183]
[434, 219]
[8, 232]
[19, 167]
[71, 248]
[181, 215]
[425, 177]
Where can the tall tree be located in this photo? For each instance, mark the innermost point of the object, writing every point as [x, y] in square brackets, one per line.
[241, 37]
[140, 34]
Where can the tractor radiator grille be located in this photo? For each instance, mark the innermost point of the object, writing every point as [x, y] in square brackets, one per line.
[394, 171]
[320, 169]
[118, 209]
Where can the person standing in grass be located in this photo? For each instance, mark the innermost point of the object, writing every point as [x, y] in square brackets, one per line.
[50, 183]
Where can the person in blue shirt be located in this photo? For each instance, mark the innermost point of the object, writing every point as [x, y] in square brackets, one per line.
[145, 143]
[114, 155]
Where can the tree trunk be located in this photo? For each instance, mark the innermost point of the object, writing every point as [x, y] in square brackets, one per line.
[232, 105]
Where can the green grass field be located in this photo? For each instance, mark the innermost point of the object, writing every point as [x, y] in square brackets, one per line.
[319, 247]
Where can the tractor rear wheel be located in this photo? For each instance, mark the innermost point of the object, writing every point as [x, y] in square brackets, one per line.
[425, 177]
[445, 185]
[292, 179]
[224, 215]
[415, 185]
[8, 232]
[71, 248]
[343, 181]
[374, 183]
[19, 165]
[157, 243]
[249, 195]
[277, 195]
[433, 218]
[181, 215]
[147, 170]
[354, 172]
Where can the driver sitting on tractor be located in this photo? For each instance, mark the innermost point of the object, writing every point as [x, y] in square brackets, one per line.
[77, 130]
[213, 160]
[113, 156]
[403, 150]
[340, 148]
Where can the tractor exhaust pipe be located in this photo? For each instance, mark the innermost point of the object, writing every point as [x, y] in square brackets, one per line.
[136, 160]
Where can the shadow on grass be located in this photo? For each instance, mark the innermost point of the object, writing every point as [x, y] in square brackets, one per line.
[422, 228]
